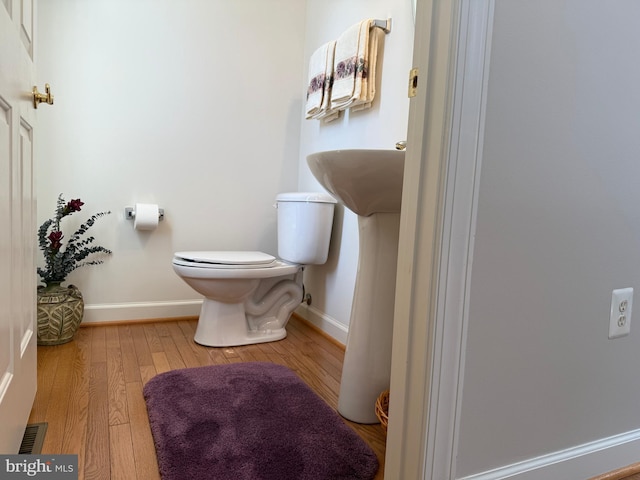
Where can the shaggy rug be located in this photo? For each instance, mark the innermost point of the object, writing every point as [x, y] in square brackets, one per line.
[250, 421]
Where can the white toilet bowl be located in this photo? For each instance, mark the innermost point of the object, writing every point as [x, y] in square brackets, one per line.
[250, 296]
[248, 299]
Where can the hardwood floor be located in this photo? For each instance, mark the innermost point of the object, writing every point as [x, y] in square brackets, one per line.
[90, 390]
[626, 473]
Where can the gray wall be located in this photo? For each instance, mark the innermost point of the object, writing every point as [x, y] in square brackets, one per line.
[558, 228]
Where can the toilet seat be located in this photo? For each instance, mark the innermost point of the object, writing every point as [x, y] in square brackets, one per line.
[225, 259]
[245, 265]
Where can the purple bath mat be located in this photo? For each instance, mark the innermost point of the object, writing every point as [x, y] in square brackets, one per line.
[250, 421]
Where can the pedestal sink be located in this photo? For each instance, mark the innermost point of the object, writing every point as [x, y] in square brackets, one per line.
[369, 183]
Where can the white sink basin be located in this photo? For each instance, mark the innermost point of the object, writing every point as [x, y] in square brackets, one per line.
[369, 183]
[364, 181]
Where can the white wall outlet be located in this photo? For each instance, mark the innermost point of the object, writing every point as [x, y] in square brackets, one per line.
[620, 316]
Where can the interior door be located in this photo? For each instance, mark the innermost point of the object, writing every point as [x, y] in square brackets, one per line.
[18, 378]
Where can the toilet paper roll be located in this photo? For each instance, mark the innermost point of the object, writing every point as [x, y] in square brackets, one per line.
[147, 215]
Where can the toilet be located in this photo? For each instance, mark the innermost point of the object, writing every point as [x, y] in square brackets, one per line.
[250, 296]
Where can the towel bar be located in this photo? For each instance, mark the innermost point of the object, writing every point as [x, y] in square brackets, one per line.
[383, 24]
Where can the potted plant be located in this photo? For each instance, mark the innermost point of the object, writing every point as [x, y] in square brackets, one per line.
[60, 309]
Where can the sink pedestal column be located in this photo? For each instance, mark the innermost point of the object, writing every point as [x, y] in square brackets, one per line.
[367, 362]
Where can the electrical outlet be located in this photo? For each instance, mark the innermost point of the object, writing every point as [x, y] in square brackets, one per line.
[620, 316]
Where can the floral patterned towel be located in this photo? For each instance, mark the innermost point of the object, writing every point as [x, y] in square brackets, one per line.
[317, 79]
[342, 73]
[320, 82]
[350, 70]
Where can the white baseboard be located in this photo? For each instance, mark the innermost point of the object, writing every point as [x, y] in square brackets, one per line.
[584, 461]
[324, 322]
[118, 312]
[114, 312]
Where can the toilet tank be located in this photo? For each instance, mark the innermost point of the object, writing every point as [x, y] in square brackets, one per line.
[304, 227]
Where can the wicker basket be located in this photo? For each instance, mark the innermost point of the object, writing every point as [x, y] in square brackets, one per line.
[382, 409]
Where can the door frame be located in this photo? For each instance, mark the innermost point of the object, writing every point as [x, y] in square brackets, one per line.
[442, 172]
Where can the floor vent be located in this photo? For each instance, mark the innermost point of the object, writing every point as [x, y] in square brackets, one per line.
[33, 439]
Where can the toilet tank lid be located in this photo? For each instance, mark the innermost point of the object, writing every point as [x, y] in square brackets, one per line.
[228, 257]
[313, 197]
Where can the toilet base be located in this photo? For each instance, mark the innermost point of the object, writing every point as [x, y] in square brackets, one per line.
[225, 325]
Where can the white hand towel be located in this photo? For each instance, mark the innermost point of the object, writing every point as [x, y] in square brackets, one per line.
[326, 113]
[317, 80]
[348, 64]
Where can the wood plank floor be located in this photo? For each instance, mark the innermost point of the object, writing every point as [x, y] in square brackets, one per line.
[90, 390]
[626, 473]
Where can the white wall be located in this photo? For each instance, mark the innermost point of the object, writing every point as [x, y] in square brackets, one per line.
[331, 285]
[558, 228]
[193, 105]
[198, 106]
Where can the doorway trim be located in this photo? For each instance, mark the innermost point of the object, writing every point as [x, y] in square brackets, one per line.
[442, 172]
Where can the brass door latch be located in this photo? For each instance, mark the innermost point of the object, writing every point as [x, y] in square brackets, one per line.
[42, 97]
[413, 82]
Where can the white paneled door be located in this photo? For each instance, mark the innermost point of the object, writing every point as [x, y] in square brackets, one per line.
[17, 222]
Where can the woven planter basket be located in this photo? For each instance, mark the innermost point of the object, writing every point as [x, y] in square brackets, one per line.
[60, 311]
[382, 409]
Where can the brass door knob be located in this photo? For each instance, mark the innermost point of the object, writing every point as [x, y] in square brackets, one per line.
[42, 97]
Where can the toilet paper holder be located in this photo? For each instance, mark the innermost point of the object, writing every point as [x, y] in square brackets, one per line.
[130, 213]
